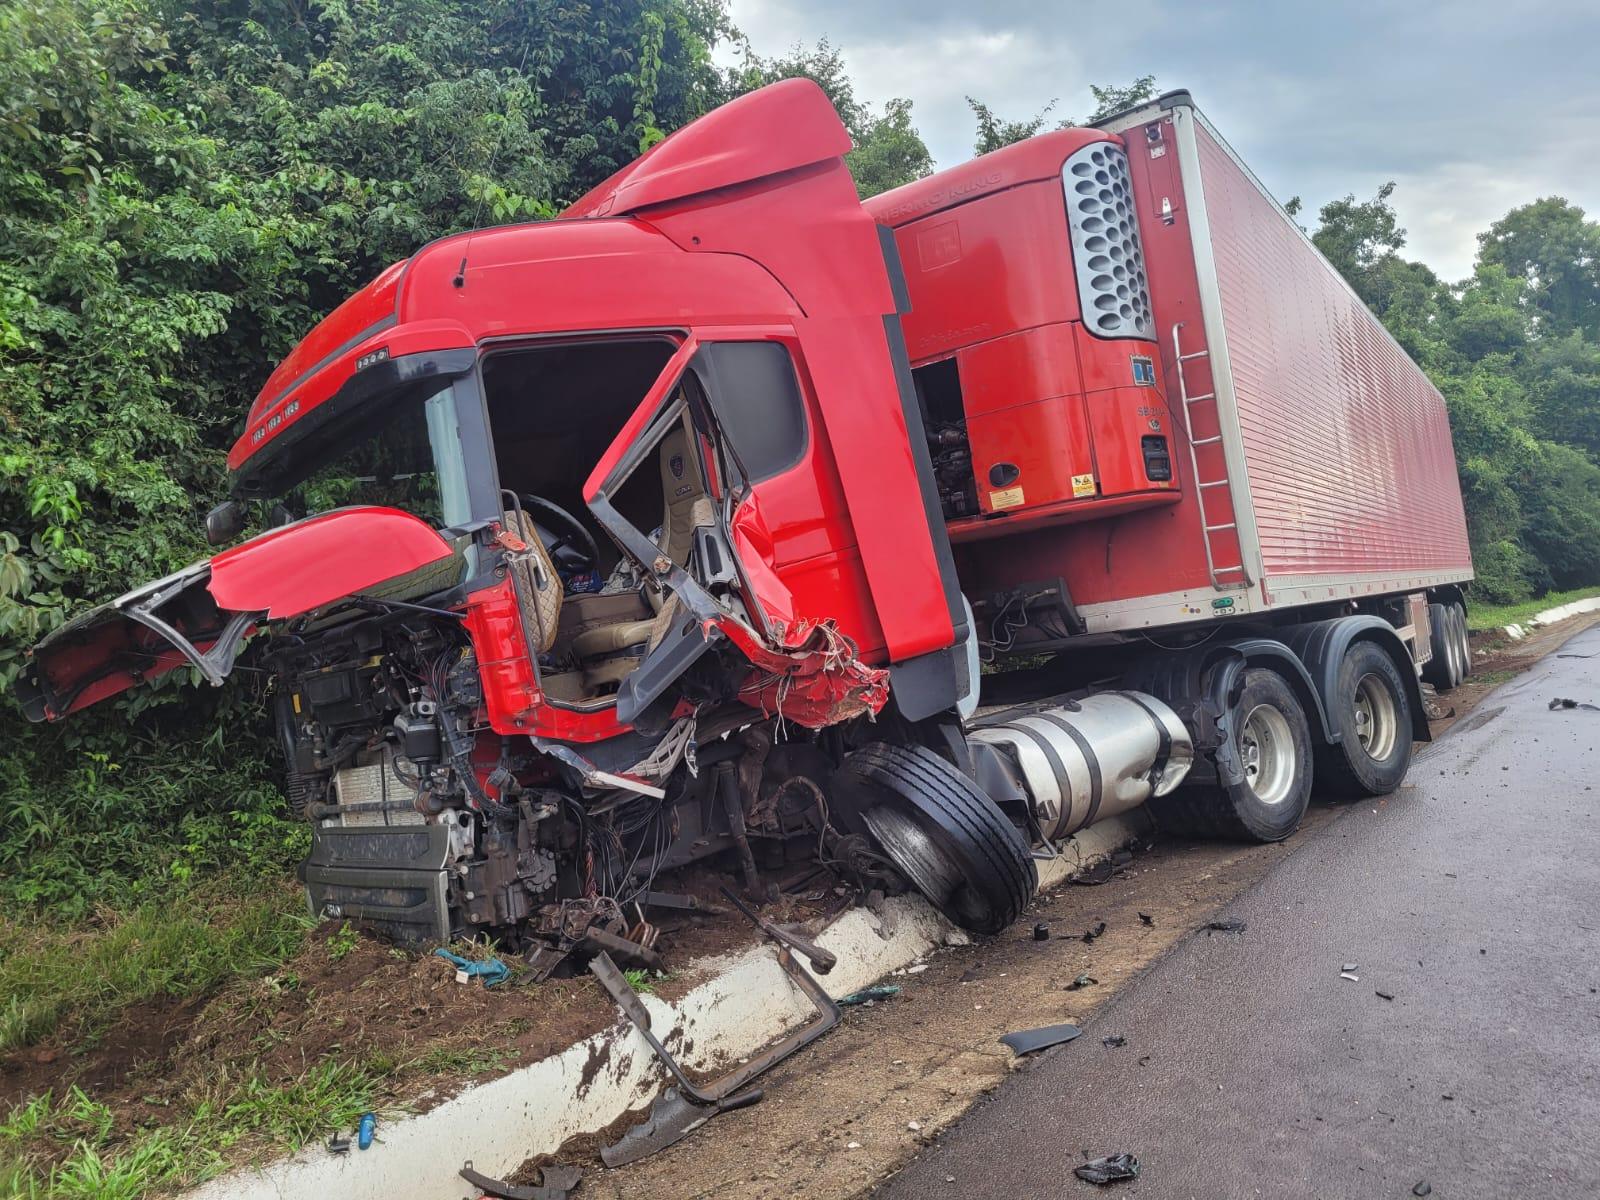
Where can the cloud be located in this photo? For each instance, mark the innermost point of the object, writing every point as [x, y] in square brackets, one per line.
[1471, 107]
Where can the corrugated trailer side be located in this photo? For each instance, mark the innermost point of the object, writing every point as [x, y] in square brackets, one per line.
[1336, 448]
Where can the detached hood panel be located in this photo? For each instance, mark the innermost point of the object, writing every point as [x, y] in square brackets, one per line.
[202, 615]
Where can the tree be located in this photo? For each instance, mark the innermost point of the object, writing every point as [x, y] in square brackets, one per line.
[1552, 245]
[1358, 237]
[995, 132]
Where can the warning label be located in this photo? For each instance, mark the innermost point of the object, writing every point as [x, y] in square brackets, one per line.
[1007, 498]
[1082, 485]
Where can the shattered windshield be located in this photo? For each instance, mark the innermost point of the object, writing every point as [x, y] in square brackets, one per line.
[405, 454]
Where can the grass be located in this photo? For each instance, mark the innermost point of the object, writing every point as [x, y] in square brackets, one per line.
[87, 974]
[1497, 616]
[70, 1148]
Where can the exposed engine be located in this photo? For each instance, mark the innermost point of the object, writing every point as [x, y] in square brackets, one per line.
[427, 825]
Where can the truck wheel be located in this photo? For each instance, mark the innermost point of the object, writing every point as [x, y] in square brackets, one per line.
[1440, 670]
[1272, 741]
[1371, 711]
[1463, 642]
[949, 839]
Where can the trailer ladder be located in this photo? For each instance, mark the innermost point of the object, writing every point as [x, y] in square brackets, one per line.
[1202, 486]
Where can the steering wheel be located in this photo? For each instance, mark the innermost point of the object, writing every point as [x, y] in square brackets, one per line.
[571, 534]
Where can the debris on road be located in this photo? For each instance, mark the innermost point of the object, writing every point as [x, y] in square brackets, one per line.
[1227, 926]
[1423, 1188]
[1350, 966]
[1028, 1041]
[870, 995]
[1383, 995]
[490, 970]
[1109, 1169]
[1082, 981]
[1041, 932]
[366, 1130]
[555, 1182]
[1146, 919]
[338, 1145]
[1347, 975]
[974, 972]
[1562, 702]
[1115, 1040]
[1098, 928]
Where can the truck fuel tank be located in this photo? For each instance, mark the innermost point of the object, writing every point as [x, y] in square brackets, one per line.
[1080, 760]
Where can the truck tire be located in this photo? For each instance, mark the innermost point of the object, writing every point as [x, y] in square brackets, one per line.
[1463, 642]
[1272, 739]
[1372, 713]
[949, 840]
[1440, 670]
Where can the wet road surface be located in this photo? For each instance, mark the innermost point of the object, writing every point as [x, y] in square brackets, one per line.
[1472, 897]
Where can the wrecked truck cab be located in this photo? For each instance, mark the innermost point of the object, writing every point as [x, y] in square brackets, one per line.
[666, 552]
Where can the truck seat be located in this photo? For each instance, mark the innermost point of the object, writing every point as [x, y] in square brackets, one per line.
[538, 586]
[686, 507]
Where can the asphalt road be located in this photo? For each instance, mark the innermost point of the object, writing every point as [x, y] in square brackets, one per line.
[1472, 896]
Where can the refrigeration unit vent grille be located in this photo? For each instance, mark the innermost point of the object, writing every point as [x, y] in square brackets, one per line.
[1113, 289]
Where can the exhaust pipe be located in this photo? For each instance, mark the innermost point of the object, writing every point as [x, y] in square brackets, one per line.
[1079, 761]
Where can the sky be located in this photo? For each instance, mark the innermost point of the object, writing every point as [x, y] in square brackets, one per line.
[1471, 108]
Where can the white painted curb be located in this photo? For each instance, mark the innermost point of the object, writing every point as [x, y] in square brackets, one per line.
[747, 1003]
[1551, 615]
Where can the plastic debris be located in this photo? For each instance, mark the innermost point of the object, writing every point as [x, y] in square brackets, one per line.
[1564, 702]
[1383, 995]
[1109, 1169]
[1115, 1040]
[1041, 932]
[365, 1130]
[1228, 926]
[1349, 966]
[1082, 981]
[1146, 919]
[914, 1126]
[490, 970]
[869, 995]
[338, 1145]
[1094, 874]
[1423, 1188]
[1099, 928]
[1028, 1041]
[1349, 976]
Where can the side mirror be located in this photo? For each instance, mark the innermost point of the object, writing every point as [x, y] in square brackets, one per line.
[224, 522]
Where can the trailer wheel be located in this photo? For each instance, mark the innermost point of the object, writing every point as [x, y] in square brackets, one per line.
[1463, 642]
[1440, 670]
[950, 840]
[1272, 741]
[1372, 712]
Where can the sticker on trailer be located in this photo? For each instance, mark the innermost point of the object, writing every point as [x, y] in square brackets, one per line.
[1144, 371]
[1082, 485]
[1006, 498]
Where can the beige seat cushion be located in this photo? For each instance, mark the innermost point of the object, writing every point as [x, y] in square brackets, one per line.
[538, 586]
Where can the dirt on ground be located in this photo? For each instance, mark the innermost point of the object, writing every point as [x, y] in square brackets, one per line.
[836, 1119]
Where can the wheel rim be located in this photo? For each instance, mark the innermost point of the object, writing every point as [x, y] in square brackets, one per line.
[1463, 645]
[1266, 744]
[1377, 718]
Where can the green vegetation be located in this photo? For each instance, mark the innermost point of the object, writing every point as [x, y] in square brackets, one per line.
[190, 942]
[185, 189]
[1498, 616]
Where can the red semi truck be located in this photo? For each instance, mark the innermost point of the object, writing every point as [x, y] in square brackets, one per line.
[727, 514]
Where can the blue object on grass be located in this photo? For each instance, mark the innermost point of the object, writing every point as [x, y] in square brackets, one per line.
[490, 970]
[369, 1122]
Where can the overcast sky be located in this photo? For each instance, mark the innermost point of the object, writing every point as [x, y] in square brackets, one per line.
[1471, 107]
